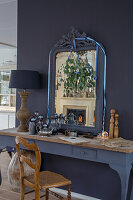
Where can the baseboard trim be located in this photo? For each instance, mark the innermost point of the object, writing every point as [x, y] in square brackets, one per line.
[73, 194]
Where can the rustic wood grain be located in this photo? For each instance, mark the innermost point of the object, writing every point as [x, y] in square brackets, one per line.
[112, 120]
[116, 128]
[95, 144]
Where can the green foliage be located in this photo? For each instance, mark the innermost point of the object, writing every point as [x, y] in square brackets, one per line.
[78, 76]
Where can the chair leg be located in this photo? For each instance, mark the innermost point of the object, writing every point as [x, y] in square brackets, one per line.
[37, 194]
[22, 190]
[47, 194]
[69, 192]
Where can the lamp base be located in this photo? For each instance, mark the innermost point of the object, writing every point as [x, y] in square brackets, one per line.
[22, 128]
[23, 114]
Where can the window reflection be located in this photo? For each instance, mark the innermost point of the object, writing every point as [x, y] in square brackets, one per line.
[7, 63]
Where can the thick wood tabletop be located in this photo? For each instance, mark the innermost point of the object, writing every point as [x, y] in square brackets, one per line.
[126, 147]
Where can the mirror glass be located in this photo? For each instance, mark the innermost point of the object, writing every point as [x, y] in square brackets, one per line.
[75, 87]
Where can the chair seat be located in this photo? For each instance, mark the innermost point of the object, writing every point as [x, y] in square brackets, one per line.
[49, 179]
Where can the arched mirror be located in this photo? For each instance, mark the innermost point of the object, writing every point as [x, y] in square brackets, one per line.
[76, 85]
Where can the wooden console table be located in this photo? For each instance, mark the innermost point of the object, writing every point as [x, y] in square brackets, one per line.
[119, 159]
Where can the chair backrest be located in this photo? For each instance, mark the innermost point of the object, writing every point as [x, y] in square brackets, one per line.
[22, 158]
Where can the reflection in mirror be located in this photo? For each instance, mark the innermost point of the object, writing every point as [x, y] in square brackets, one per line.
[8, 62]
[75, 87]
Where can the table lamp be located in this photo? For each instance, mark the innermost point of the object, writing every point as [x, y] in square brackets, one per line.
[24, 79]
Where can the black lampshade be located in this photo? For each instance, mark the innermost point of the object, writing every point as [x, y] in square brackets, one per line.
[24, 79]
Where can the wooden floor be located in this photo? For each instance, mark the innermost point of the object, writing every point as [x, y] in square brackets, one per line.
[5, 190]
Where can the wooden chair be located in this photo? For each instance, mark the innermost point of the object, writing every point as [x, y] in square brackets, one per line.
[38, 180]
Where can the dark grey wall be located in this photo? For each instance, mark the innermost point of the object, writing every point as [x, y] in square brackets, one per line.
[40, 24]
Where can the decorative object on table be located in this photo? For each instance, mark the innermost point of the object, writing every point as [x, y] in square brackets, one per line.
[104, 135]
[73, 134]
[14, 169]
[47, 122]
[36, 123]
[24, 79]
[32, 126]
[45, 131]
[61, 119]
[54, 124]
[111, 128]
[39, 123]
[70, 118]
[116, 128]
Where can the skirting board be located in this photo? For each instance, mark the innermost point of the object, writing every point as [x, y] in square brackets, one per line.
[73, 194]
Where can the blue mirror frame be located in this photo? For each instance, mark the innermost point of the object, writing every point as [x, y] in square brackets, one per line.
[83, 43]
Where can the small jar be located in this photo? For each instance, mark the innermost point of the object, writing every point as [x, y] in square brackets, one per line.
[73, 134]
[32, 128]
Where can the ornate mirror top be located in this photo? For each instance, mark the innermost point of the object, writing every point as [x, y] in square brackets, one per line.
[67, 40]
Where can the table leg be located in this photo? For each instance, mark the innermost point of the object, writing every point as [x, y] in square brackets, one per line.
[0, 178]
[0, 170]
[131, 194]
[124, 172]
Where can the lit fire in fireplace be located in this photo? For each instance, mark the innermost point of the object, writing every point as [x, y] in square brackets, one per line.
[80, 118]
[79, 115]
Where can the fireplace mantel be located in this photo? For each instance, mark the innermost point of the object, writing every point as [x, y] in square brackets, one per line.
[88, 104]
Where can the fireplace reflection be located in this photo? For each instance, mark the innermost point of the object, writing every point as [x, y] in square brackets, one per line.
[79, 116]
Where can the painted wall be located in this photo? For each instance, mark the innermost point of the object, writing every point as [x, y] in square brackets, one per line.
[40, 24]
